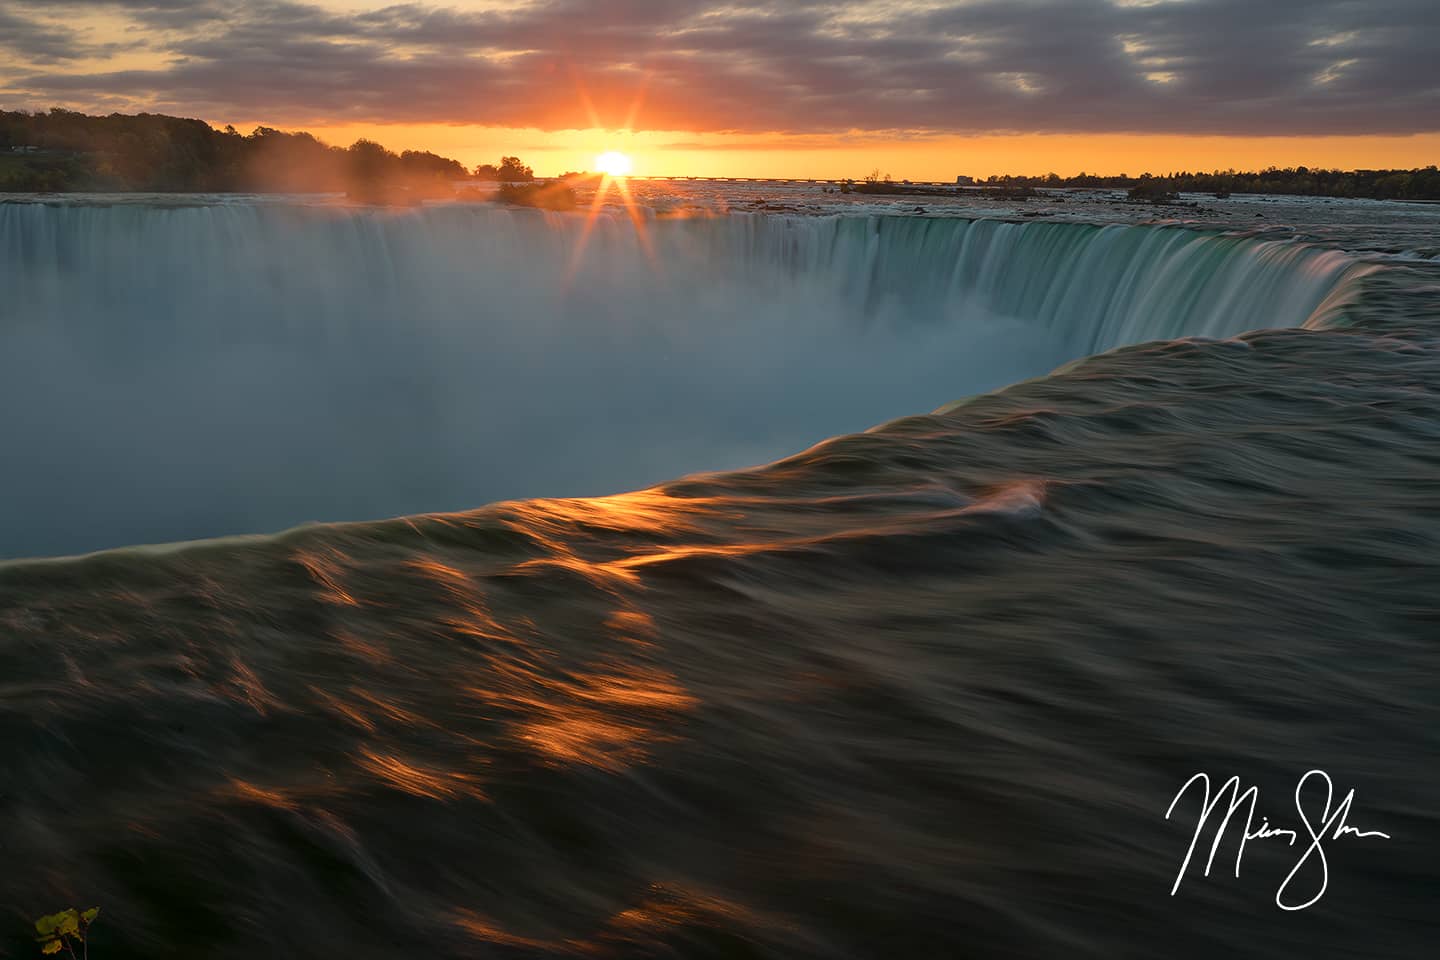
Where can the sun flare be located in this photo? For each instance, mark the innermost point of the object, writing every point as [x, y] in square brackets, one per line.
[613, 164]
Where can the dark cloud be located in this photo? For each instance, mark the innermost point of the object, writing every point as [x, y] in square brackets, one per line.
[41, 42]
[1179, 66]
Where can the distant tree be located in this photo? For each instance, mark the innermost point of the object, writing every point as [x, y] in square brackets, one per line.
[371, 170]
[292, 163]
[369, 160]
[512, 170]
[154, 152]
[423, 164]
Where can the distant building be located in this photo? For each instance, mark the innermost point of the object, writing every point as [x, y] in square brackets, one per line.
[964, 181]
[24, 149]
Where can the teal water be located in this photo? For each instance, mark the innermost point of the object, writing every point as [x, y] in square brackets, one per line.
[921, 691]
[193, 371]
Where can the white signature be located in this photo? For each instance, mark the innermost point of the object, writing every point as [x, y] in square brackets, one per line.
[1331, 825]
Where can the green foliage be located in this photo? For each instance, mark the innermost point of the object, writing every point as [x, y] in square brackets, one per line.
[62, 931]
[421, 164]
[1419, 184]
[510, 170]
[62, 150]
[370, 161]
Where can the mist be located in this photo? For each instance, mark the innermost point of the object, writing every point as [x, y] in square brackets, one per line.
[197, 371]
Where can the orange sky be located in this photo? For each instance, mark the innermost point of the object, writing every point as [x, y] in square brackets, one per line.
[678, 153]
[1321, 83]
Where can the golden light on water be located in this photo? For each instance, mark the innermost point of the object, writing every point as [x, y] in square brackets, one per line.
[612, 163]
[613, 168]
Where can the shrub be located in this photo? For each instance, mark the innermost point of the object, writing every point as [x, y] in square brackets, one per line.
[546, 196]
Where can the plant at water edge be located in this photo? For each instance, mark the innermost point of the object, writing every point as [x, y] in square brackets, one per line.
[65, 929]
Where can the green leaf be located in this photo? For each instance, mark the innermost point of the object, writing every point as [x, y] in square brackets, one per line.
[89, 915]
[46, 925]
[52, 947]
[69, 923]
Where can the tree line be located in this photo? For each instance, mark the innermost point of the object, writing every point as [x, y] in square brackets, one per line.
[1418, 184]
[62, 150]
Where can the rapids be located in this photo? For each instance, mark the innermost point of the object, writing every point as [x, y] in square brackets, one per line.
[922, 691]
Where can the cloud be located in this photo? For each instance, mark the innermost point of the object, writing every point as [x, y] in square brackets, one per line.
[45, 42]
[1299, 67]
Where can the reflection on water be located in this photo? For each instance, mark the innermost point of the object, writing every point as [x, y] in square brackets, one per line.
[923, 691]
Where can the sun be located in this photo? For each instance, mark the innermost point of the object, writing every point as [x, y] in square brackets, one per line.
[614, 164]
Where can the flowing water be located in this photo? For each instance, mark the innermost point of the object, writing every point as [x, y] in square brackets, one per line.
[242, 368]
[925, 690]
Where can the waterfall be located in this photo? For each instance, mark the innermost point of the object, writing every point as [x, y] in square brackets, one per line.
[173, 372]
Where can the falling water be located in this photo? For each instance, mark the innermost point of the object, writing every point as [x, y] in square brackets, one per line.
[921, 691]
[193, 371]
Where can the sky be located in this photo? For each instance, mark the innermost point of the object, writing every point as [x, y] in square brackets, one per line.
[917, 89]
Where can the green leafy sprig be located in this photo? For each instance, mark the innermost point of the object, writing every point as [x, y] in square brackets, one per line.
[62, 931]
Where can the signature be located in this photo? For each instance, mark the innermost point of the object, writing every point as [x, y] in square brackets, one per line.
[1329, 825]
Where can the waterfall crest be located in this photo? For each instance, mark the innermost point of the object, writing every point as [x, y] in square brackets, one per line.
[192, 371]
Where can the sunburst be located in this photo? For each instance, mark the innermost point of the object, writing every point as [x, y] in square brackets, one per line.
[613, 163]
[613, 169]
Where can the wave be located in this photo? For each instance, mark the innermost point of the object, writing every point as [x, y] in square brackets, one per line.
[193, 371]
[914, 692]
[918, 691]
